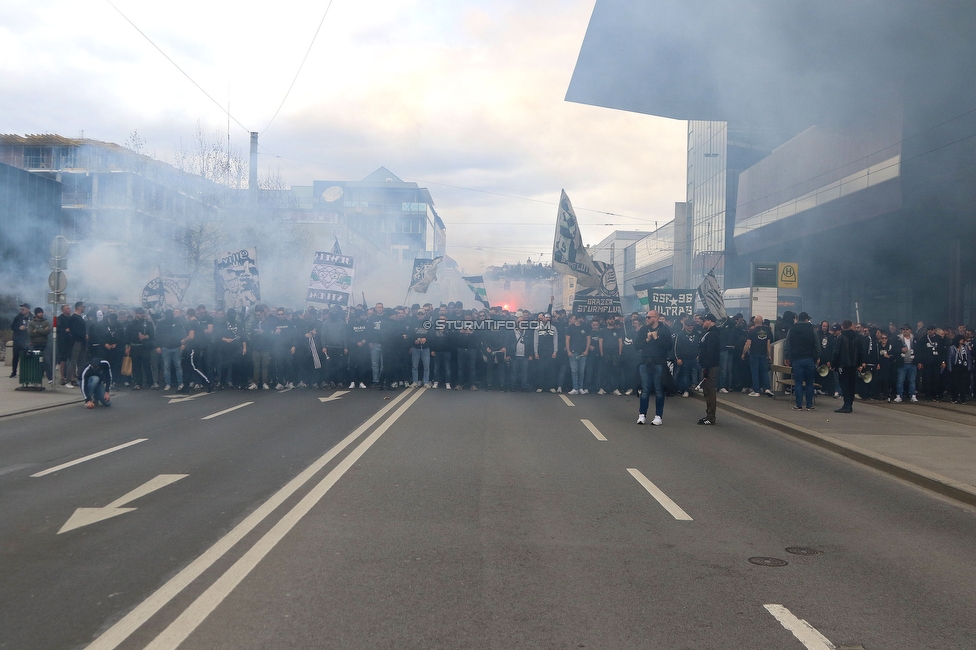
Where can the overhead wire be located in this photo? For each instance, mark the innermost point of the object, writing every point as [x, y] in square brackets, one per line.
[176, 65]
[300, 66]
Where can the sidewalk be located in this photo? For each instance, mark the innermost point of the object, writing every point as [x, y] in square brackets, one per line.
[15, 402]
[932, 445]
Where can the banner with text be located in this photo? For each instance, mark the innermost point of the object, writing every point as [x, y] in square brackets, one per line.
[332, 276]
[670, 302]
[602, 299]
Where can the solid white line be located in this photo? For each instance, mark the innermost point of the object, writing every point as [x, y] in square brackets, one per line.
[660, 496]
[131, 622]
[596, 432]
[803, 631]
[233, 408]
[87, 458]
[566, 399]
[196, 613]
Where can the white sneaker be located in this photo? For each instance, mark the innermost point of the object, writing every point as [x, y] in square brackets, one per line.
[252, 386]
[301, 385]
[769, 392]
[552, 390]
[724, 391]
[352, 384]
[291, 384]
[583, 391]
[616, 391]
[684, 394]
[166, 387]
[574, 392]
[265, 387]
[898, 400]
[362, 385]
[913, 399]
[753, 394]
[640, 419]
[559, 390]
[657, 421]
[435, 384]
[538, 390]
[699, 390]
[630, 391]
[428, 385]
[601, 392]
[447, 386]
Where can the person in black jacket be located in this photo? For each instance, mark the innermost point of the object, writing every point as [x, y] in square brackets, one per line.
[655, 341]
[21, 337]
[802, 352]
[848, 359]
[96, 382]
[709, 356]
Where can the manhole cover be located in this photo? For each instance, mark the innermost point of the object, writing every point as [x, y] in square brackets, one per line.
[803, 550]
[768, 561]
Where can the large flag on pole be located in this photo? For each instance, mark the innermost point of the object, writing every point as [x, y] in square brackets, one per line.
[477, 285]
[424, 272]
[165, 291]
[236, 279]
[711, 297]
[568, 254]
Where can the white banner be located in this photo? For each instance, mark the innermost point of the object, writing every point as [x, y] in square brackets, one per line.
[236, 279]
[332, 276]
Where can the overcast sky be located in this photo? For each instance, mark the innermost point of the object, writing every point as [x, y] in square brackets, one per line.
[462, 96]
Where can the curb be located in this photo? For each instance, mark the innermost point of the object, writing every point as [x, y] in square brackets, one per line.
[962, 492]
[40, 408]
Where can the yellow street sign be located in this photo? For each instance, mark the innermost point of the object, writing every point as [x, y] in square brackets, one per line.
[789, 277]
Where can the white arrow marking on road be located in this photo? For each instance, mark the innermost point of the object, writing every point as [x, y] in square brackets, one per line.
[334, 396]
[596, 432]
[85, 516]
[803, 631]
[567, 400]
[660, 496]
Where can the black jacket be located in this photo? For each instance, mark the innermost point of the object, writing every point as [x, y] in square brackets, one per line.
[802, 342]
[656, 351]
[711, 347]
[849, 351]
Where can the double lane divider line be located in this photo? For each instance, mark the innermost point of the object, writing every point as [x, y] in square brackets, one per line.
[803, 631]
[567, 400]
[225, 411]
[660, 496]
[87, 458]
[132, 621]
[208, 601]
[596, 432]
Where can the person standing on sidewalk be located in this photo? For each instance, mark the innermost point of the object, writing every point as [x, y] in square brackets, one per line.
[21, 337]
[78, 329]
[802, 353]
[709, 356]
[848, 359]
[39, 329]
[757, 347]
[905, 364]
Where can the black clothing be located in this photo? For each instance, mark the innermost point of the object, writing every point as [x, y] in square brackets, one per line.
[760, 337]
[710, 351]
[802, 342]
[577, 338]
[849, 351]
[654, 351]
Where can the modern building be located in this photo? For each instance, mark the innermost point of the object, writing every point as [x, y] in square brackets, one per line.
[842, 141]
[30, 217]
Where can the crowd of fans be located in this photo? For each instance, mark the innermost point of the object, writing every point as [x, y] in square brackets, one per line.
[490, 349]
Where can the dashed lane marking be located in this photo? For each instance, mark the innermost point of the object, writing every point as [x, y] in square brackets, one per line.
[596, 432]
[87, 458]
[660, 496]
[803, 631]
[225, 411]
[567, 400]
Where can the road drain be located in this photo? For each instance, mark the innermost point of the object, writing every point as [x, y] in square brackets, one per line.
[803, 550]
[768, 561]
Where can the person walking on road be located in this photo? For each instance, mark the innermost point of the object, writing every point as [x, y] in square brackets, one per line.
[802, 352]
[848, 359]
[709, 357]
[654, 340]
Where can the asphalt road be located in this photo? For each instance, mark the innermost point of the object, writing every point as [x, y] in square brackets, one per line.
[475, 520]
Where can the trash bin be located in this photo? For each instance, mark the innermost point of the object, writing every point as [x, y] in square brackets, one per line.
[31, 370]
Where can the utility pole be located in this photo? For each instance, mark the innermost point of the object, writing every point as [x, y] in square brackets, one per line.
[252, 180]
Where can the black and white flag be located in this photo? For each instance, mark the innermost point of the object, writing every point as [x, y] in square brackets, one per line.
[332, 276]
[424, 272]
[711, 297]
[569, 256]
[236, 279]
